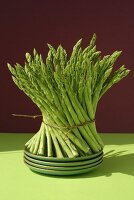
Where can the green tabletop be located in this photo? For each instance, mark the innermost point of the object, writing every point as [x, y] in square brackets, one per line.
[113, 180]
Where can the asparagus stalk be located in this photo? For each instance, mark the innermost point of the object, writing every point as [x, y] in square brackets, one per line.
[67, 92]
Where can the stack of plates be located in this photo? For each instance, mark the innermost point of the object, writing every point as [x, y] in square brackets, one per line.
[62, 166]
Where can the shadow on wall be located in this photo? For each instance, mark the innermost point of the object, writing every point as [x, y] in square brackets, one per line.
[117, 138]
[13, 142]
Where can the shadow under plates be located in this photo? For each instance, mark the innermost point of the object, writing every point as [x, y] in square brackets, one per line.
[117, 162]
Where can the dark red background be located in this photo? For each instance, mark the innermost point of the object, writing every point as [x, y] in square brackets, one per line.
[28, 24]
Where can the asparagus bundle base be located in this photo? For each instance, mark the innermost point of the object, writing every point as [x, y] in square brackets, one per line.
[67, 91]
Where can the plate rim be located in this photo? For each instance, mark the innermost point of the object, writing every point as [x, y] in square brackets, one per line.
[53, 159]
[63, 173]
[63, 168]
[78, 163]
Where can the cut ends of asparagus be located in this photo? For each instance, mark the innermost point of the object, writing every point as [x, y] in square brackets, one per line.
[50, 142]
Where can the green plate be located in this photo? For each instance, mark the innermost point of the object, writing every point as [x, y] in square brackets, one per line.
[53, 159]
[63, 173]
[64, 164]
[62, 168]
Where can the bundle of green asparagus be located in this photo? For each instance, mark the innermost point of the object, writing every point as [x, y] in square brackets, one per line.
[67, 91]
